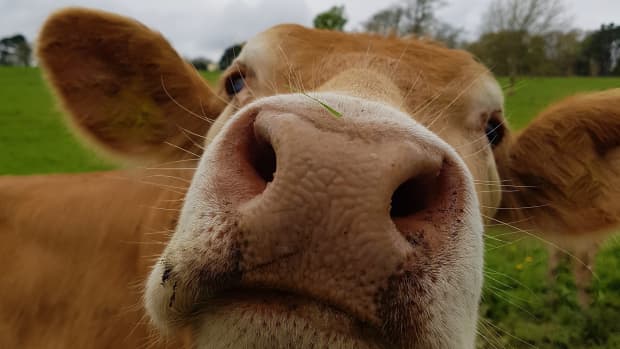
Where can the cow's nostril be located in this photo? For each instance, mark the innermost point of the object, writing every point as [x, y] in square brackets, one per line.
[415, 194]
[263, 158]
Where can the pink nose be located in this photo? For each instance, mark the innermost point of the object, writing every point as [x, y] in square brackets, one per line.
[343, 210]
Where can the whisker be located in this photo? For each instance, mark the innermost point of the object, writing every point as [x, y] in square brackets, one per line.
[508, 333]
[458, 96]
[173, 200]
[171, 168]
[164, 186]
[400, 57]
[488, 272]
[481, 138]
[144, 243]
[170, 163]
[499, 191]
[515, 208]
[165, 209]
[487, 340]
[409, 90]
[482, 149]
[494, 238]
[503, 185]
[504, 292]
[430, 102]
[163, 85]
[143, 319]
[493, 181]
[290, 70]
[506, 297]
[546, 242]
[183, 131]
[245, 83]
[170, 177]
[183, 149]
[194, 133]
[505, 245]
[161, 232]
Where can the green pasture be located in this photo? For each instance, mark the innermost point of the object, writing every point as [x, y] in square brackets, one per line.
[519, 309]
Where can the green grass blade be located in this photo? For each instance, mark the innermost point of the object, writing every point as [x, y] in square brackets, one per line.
[327, 107]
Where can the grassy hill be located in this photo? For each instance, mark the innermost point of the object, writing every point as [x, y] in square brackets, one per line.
[519, 309]
[33, 138]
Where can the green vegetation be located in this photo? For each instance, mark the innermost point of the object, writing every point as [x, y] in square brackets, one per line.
[332, 19]
[229, 55]
[533, 94]
[211, 76]
[33, 138]
[520, 309]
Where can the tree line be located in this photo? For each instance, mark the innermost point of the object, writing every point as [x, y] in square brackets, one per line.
[518, 37]
[15, 50]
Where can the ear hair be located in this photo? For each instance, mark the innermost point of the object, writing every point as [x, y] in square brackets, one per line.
[124, 87]
[566, 167]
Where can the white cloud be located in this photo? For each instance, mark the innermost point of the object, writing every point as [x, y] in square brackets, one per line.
[240, 20]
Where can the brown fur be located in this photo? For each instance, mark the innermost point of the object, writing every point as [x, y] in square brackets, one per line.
[422, 69]
[75, 247]
[570, 157]
[63, 235]
[122, 82]
[74, 251]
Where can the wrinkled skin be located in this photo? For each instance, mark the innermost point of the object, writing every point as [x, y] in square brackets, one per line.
[321, 231]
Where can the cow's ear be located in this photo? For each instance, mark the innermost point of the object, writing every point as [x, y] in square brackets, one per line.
[562, 173]
[124, 87]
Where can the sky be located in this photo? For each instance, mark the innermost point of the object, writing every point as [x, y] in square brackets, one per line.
[206, 27]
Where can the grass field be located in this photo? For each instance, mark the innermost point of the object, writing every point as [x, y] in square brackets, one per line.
[519, 309]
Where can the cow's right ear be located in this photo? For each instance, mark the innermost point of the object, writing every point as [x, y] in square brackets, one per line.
[124, 87]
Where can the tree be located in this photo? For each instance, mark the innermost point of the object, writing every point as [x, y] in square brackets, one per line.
[420, 16]
[531, 16]
[601, 52]
[513, 53]
[332, 19]
[503, 52]
[447, 34]
[201, 63]
[408, 17]
[15, 50]
[526, 21]
[385, 22]
[229, 56]
[414, 17]
[562, 50]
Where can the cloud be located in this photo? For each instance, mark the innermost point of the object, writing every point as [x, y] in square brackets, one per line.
[207, 27]
[194, 27]
[239, 21]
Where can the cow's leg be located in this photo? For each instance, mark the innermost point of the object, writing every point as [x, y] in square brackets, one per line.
[583, 270]
[557, 258]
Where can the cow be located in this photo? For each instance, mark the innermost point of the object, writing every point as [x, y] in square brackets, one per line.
[331, 192]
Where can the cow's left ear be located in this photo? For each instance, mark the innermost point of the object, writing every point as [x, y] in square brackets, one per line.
[562, 173]
[124, 87]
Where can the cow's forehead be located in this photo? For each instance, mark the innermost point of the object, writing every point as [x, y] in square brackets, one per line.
[313, 56]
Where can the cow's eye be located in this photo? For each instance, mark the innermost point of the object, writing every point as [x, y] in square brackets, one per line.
[234, 84]
[495, 131]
